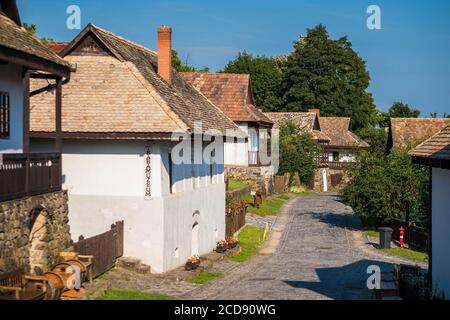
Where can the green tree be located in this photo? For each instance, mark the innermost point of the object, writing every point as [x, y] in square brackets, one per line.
[32, 28]
[399, 110]
[328, 74]
[375, 137]
[298, 152]
[382, 188]
[180, 66]
[265, 73]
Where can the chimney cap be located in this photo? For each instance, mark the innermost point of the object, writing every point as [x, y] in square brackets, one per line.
[164, 28]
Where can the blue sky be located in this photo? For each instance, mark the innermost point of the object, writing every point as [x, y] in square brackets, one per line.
[408, 59]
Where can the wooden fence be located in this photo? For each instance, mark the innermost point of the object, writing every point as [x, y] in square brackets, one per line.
[23, 175]
[415, 237]
[336, 178]
[106, 248]
[235, 219]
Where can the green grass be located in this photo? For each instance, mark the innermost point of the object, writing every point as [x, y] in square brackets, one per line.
[408, 254]
[373, 233]
[205, 277]
[133, 295]
[250, 240]
[234, 184]
[270, 206]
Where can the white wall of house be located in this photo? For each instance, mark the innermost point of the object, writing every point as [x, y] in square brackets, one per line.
[236, 153]
[344, 155]
[106, 183]
[11, 82]
[440, 230]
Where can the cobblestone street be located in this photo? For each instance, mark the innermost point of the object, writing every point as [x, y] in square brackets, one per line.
[323, 254]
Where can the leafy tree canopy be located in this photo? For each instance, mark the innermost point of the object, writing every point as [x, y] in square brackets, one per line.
[298, 152]
[180, 66]
[327, 74]
[399, 110]
[32, 28]
[376, 138]
[265, 73]
[382, 188]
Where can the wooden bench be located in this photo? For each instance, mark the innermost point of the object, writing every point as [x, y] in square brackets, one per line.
[17, 286]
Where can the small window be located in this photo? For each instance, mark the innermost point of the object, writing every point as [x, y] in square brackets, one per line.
[4, 115]
[170, 174]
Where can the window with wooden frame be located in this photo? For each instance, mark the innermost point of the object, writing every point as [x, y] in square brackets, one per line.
[4, 115]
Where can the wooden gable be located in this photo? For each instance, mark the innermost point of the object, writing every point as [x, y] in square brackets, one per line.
[90, 45]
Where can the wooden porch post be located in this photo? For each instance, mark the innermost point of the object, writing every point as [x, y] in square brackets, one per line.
[58, 106]
[26, 112]
[26, 127]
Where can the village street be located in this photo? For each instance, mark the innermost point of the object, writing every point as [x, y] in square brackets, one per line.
[322, 254]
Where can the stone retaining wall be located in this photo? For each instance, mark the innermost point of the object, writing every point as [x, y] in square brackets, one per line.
[259, 178]
[33, 231]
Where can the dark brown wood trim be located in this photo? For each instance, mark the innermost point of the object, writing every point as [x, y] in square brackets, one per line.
[48, 88]
[432, 162]
[58, 112]
[80, 37]
[33, 62]
[104, 136]
[10, 9]
[26, 112]
[344, 147]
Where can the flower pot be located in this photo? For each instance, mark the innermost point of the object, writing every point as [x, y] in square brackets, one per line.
[191, 266]
[221, 249]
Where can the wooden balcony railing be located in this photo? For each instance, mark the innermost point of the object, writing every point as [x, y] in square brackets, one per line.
[334, 165]
[23, 175]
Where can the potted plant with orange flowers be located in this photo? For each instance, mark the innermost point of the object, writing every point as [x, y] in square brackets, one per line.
[232, 242]
[193, 263]
[221, 246]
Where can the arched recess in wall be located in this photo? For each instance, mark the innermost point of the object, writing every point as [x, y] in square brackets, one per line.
[195, 242]
[37, 238]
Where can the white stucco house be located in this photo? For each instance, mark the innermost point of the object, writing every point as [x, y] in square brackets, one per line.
[232, 93]
[120, 110]
[435, 153]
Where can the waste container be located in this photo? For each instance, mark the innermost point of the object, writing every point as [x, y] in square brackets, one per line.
[385, 237]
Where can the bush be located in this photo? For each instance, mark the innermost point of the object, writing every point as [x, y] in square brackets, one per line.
[298, 152]
[382, 188]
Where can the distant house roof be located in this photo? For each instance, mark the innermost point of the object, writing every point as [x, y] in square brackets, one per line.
[409, 132]
[19, 46]
[232, 93]
[57, 47]
[308, 121]
[120, 92]
[339, 131]
[435, 150]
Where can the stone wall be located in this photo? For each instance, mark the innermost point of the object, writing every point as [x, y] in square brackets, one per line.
[33, 231]
[259, 178]
[317, 182]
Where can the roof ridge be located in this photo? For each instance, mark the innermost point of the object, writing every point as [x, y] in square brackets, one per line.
[123, 39]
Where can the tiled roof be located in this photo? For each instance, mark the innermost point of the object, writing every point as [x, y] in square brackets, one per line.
[104, 95]
[308, 121]
[437, 147]
[338, 129]
[409, 132]
[230, 92]
[14, 37]
[125, 94]
[57, 47]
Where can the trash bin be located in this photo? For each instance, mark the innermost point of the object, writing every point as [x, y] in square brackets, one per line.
[385, 237]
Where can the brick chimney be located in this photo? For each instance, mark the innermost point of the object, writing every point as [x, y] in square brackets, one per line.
[316, 111]
[165, 53]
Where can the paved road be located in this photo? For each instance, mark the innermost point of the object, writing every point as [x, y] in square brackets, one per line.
[322, 255]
